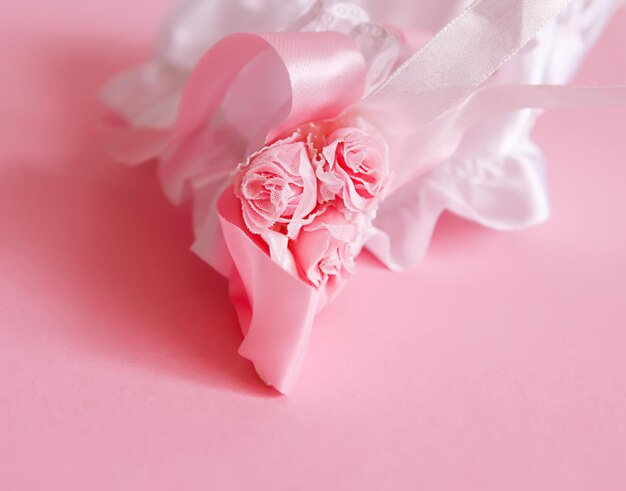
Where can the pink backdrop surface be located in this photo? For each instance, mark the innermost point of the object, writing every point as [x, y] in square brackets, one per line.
[499, 364]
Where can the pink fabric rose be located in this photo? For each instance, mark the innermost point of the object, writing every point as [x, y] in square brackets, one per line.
[312, 197]
[325, 249]
[356, 167]
[277, 186]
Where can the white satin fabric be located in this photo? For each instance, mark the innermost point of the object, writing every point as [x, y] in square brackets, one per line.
[495, 175]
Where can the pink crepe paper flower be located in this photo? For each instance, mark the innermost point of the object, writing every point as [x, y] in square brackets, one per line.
[277, 186]
[312, 197]
[355, 165]
[325, 249]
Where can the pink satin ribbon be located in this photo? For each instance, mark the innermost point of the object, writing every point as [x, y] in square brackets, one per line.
[323, 71]
[462, 56]
[246, 89]
[276, 310]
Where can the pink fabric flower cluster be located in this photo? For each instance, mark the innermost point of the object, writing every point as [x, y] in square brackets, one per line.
[319, 188]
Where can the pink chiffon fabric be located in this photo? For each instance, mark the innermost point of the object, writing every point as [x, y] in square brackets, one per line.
[451, 117]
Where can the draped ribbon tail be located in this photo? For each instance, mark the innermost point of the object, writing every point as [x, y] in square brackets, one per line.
[276, 310]
[431, 111]
[503, 191]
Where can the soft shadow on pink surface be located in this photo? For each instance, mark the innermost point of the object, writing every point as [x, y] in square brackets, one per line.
[454, 235]
[97, 236]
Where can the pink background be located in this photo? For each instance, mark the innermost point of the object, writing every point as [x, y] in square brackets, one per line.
[500, 364]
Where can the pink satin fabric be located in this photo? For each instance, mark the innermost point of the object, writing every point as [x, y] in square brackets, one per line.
[243, 92]
[325, 72]
[276, 309]
[249, 88]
